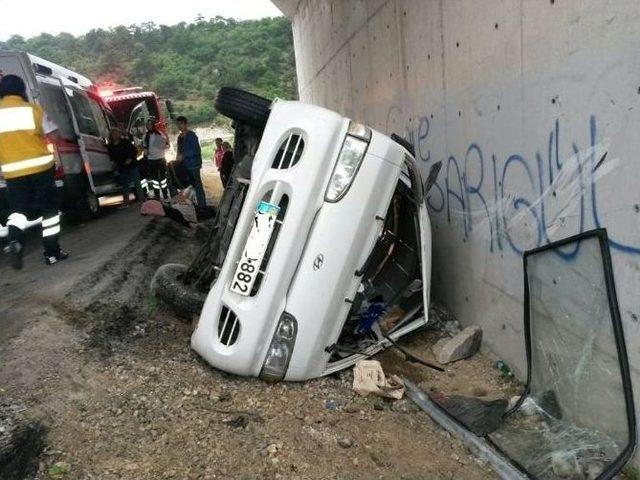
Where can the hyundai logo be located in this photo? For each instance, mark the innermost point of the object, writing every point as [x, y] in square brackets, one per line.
[317, 263]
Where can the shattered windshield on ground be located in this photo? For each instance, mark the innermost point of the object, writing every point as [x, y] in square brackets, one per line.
[577, 421]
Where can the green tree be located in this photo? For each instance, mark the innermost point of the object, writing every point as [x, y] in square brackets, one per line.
[187, 61]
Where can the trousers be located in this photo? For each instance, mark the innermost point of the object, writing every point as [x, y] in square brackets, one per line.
[157, 178]
[30, 197]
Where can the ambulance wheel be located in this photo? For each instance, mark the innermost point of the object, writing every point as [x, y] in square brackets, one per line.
[167, 285]
[91, 206]
[243, 106]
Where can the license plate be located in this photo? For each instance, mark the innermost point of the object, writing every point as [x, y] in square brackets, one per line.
[249, 265]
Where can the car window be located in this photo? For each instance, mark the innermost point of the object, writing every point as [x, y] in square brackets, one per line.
[56, 107]
[84, 114]
[578, 415]
[98, 115]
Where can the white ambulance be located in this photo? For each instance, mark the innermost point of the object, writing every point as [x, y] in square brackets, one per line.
[83, 169]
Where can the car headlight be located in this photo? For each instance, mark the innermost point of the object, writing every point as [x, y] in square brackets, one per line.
[280, 350]
[352, 152]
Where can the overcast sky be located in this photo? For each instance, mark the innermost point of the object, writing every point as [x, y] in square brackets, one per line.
[31, 17]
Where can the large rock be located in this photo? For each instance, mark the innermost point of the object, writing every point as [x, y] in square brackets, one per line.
[463, 345]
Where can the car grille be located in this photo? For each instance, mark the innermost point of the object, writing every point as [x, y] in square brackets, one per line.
[283, 204]
[289, 153]
[228, 327]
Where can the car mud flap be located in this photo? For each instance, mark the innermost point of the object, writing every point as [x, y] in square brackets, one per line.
[576, 416]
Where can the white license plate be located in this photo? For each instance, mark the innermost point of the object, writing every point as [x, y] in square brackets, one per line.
[251, 258]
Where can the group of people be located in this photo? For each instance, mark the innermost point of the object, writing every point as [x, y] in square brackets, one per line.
[223, 159]
[151, 177]
[28, 167]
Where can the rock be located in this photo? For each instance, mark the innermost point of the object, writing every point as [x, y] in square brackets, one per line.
[565, 464]
[463, 345]
[272, 449]
[345, 442]
[330, 405]
[439, 345]
[529, 408]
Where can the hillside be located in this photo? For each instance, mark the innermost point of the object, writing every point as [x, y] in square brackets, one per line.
[186, 62]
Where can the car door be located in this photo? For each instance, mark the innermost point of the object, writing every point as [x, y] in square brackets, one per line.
[92, 130]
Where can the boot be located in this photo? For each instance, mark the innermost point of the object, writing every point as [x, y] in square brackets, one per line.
[51, 259]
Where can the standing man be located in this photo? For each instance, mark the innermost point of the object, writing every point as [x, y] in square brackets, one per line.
[123, 155]
[155, 144]
[27, 166]
[190, 156]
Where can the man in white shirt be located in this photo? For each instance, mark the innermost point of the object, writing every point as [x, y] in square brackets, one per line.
[155, 144]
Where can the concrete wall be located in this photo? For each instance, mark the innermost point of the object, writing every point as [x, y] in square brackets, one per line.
[521, 100]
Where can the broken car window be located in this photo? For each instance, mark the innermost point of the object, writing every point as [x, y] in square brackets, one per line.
[577, 421]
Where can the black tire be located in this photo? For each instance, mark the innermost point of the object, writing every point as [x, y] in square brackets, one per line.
[166, 285]
[90, 204]
[243, 106]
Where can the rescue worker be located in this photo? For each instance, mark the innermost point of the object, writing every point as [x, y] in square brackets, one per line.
[28, 166]
[155, 144]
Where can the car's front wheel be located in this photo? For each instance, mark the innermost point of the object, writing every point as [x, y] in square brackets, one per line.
[167, 285]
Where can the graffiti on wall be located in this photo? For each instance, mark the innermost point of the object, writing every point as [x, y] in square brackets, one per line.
[520, 200]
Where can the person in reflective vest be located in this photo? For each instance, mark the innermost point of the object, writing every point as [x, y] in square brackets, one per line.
[27, 166]
[155, 144]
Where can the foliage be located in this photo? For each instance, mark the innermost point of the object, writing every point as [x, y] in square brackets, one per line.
[187, 62]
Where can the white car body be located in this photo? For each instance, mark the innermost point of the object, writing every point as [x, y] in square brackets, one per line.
[319, 246]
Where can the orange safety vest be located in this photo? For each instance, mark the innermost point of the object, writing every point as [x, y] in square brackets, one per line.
[23, 147]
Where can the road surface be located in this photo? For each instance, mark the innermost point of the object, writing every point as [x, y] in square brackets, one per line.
[89, 244]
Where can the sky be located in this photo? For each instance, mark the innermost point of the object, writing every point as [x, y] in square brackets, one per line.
[31, 17]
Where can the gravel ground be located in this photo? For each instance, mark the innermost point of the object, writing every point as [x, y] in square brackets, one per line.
[108, 381]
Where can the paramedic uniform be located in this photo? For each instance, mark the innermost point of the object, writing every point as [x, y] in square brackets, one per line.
[28, 167]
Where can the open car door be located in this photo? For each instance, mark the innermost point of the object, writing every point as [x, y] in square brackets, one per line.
[92, 131]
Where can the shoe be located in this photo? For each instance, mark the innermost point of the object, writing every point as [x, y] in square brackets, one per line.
[14, 250]
[51, 259]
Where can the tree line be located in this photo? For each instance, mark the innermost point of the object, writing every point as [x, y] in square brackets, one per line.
[187, 62]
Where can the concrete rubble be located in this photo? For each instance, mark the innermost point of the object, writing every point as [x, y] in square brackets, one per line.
[461, 346]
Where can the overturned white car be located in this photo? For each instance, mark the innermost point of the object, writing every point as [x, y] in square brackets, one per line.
[328, 259]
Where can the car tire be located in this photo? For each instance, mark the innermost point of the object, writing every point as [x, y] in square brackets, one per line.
[167, 285]
[90, 204]
[243, 106]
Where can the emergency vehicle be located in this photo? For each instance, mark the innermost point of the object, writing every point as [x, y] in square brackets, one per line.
[84, 172]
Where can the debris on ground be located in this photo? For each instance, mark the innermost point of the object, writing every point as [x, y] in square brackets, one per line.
[478, 415]
[122, 396]
[369, 377]
[461, 346]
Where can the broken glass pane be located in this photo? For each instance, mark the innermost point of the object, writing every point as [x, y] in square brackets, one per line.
[576, 422]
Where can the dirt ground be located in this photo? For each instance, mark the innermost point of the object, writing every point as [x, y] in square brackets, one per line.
[107, 373]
